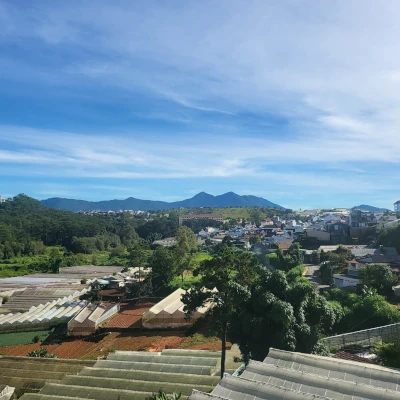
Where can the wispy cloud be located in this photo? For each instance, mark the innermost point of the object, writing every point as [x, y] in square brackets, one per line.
[284, 94]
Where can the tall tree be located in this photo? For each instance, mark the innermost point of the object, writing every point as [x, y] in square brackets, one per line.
[223, 282]
[186, 244]
[379, 277]
[276, 314]
[162, 268]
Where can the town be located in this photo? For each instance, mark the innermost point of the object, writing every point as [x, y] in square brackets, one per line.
[142, 299]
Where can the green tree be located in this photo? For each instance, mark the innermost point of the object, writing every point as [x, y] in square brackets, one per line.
[162, 268]
[255, 216]
[362, 311]
[282, 315]
[223, 282]
[186, 244]
[95, 295]
[56, 260]
[379, 277]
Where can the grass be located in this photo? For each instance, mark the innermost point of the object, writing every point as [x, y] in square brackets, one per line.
[188, 281]
[198, 339]
[15, 339]
[199, 257]
[25, 265]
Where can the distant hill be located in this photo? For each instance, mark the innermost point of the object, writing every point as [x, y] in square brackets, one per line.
[202, 199]
[366, 207]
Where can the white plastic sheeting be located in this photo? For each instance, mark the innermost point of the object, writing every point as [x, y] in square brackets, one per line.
[169, 313]
[55, 311]
[88, 320]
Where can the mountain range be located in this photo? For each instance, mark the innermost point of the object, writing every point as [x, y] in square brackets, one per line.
[202, 199]
[366, 207]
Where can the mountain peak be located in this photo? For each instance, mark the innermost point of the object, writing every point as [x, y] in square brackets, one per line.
[202, 199]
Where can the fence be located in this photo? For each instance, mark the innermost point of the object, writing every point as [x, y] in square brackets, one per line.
[364, 338]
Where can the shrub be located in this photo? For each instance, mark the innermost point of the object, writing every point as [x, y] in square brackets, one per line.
[42, 353]
[83, 281]
[163, 396]
[388, 354]
[36, 339]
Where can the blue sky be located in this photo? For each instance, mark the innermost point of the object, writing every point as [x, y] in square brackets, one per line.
[295, 101]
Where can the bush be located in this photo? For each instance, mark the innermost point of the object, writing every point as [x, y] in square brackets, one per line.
[83, 281]
[388, 354]
[163, 396]
[42, 353]
[36, 339]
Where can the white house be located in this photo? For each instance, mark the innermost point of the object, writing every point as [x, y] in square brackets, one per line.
[342, 281]
[397, 206]
[331, 218]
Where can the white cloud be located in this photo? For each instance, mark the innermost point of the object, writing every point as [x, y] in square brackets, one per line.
[328, 70]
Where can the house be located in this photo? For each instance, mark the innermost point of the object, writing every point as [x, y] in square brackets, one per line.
[339, 231]
[343, 281]
[331, 218]
[318, 234]
[362, 219]
[116, 283]
[397, 206]
[396, 290]
[353, 267]
[188, 217]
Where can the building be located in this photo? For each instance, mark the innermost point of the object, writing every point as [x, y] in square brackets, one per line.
[86, 322]
[2, 199]
[397, 206]
[188, 217]
[169, 313]
[362, 219]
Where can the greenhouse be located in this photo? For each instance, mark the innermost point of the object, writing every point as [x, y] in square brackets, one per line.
[131, 375]
[89, 319]
[289, 375]
[169, 313]
[41, 316]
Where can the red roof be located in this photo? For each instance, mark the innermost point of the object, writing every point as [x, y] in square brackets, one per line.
[344, 355]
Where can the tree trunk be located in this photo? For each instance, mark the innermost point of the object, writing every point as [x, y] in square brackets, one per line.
[223, 350]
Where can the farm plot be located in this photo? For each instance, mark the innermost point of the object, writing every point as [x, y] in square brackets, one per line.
[100, 345]
[129, 316]
[17, 338]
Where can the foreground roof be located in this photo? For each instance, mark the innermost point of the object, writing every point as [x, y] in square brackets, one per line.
[290, 375]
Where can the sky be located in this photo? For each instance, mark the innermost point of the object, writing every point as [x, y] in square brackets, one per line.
[294, 101]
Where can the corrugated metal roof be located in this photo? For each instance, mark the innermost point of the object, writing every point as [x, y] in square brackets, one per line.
[290, 375]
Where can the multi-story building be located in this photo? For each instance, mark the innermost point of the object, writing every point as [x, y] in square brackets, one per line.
[188, 217]
[361, 219]
[2, 199]
[397, 206]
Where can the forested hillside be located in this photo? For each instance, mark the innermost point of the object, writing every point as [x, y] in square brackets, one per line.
[33, 237]
[26, 226]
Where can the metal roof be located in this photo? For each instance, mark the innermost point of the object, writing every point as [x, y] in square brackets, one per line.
[289, 375]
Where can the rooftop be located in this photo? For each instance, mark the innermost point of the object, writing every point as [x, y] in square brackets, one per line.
[289, 375]
[201, 215]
